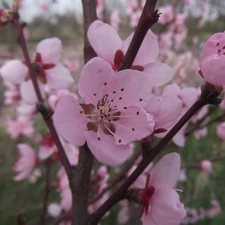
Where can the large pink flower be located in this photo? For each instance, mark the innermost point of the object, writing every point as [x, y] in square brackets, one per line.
[26, 162]
[212, 60]
[113, 115]
[160, 201]
[108, 46]
[51, 72]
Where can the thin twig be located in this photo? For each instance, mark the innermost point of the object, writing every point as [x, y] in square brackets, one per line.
[40, 105]
[207, 96]
[48, 167]
[118, 179]
[148, 18]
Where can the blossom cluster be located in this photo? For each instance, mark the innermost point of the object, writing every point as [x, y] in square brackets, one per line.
[113, 109]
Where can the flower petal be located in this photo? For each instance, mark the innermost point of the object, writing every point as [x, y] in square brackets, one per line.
[165, 110]
[148, 51]
[59, 77]
[211, 45]
[165, 208]
[213, 68]
[27, 92]
[166, 171]
[50, 50]
[134, 124]
[131, 89]
[104, 40]
[95, 74]
[105, 150]
[14, 71]
[68, 120]
[158, 73]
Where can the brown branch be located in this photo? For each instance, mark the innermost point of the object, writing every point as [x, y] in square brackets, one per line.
[40, 105]
[118, 179]
[207, 97]
[148, 18]
[46, 191]
[80, 180]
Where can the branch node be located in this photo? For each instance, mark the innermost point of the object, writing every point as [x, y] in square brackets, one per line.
[210, 94]
[43, 110]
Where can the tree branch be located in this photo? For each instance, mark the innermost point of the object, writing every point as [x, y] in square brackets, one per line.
[40, 105]
[81, 178]
[208, 96]
[46, 191]
[148, 18]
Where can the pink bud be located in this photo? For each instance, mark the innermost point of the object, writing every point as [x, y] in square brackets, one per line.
[212, 60]
[205, 165]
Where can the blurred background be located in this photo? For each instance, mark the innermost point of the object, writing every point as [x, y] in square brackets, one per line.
[203, 191]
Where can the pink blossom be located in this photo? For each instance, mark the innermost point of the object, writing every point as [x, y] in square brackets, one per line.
[21, 126]
[25, 163]
[47, 147]
[160, 201]
[26, 110]
[205, 165]
[113, 115]
[54, 97]
[51, 72]
[108, 46]
[212, 60]
[165, 110]
[167, 14]
[221, 130]
[72, 65]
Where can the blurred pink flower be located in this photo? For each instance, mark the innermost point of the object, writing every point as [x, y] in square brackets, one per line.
[212, 60]
[205, 165]
[113, 115]
[21, 126]
[221, 130]
[107, 44]
[160, 201]
[50, 71]
[26, 162]
[167, 14]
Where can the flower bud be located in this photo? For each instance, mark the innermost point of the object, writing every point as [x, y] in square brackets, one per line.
[212, 60]
[205, 165]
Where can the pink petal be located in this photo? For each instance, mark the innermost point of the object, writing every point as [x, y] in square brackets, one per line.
[213, 68]
[50, 50]
[166, 171]
[26, 162]
[158, 73]
[45, 152]
[14, 71]
[94, 75]
[27, 92]
[210, 47]
[59, 77]
[165, 208]
[105, 150]
[132, 89]
[104, 40]
[134, 124]
[148, 51]
[165, 110]
[179, 139]
[69, 122]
